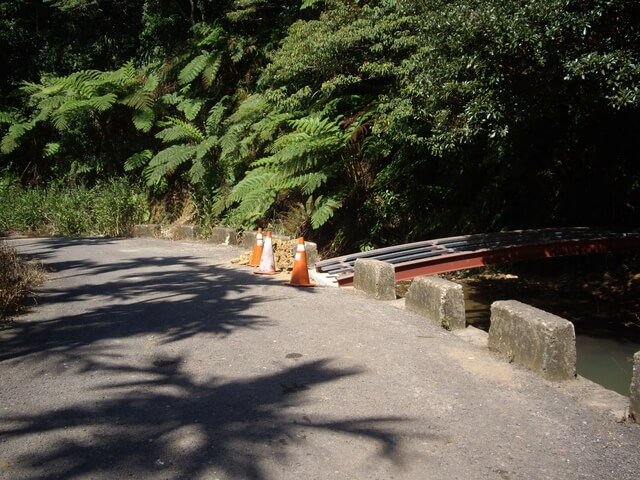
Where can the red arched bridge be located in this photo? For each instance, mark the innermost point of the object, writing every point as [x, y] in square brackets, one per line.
[442, 255]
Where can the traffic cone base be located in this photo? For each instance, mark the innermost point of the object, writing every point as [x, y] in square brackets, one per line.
[300, 273]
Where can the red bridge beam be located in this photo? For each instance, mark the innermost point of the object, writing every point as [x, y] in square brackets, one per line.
[481, 258]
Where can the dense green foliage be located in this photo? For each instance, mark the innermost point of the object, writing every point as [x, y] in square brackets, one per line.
[109, 208]
[369, 122]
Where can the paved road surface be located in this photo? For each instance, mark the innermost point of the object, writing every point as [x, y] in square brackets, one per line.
[158, 360]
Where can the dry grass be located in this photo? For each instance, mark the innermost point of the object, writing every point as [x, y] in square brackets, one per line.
[17, 279]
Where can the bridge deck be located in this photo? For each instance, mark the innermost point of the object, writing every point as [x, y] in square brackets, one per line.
[443, 255]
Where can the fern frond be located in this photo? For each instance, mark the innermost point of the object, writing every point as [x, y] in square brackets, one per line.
[205, 147]
[210, 73]
[215, 117]
[212, 37]
[10, 117]
[267, 128]
[197, 171]
[52, 103]
[190, 107]
[50, 149]
[252, 107]
[30, 88]
[251, 183]
[138, 100]
[166, 161]
[180, 131]
[172, 98]
[194, 68]
[11, 140]
[143, 119]
[308, 182]
[151, 83]
[104, 102]
[138, 160]
[123, 75]
[324, 210]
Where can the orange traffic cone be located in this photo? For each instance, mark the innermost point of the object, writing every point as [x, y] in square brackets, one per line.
[256, 254]
[300, 272]
[267, 262]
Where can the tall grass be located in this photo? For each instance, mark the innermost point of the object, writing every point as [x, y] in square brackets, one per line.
[110, 208]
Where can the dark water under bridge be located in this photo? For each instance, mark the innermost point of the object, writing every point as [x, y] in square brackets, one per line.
[432, 257]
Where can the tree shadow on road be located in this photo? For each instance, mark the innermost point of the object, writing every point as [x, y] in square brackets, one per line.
[159, 422]
[170, 298]
[156, 416]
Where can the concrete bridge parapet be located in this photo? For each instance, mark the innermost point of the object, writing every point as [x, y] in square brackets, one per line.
[533, 338]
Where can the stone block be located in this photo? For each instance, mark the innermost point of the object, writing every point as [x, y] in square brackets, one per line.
[248, 239]
[375, 278]
[533, 338]
[438, 300]
[186, 232]
[224, 236]
[150, 230]
[634, 406]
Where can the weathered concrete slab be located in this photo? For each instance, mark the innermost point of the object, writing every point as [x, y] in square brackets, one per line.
[533, 338]
[634, 404]
[375, 278]
[149, 230]
[438, 300]
[224, 236]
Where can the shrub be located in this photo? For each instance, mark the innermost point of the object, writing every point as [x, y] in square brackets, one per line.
[17, 278]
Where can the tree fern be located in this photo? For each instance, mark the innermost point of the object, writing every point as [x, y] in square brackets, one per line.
[50, 149]
[104, 102]
[324, 208]
[144, 120]
[180, 130]
[190, 107]
[302, 162]
[12, 139]
[138, 160]
[166, 161]
[195, 67]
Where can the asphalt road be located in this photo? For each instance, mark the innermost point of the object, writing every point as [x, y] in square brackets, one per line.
[159, 360]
